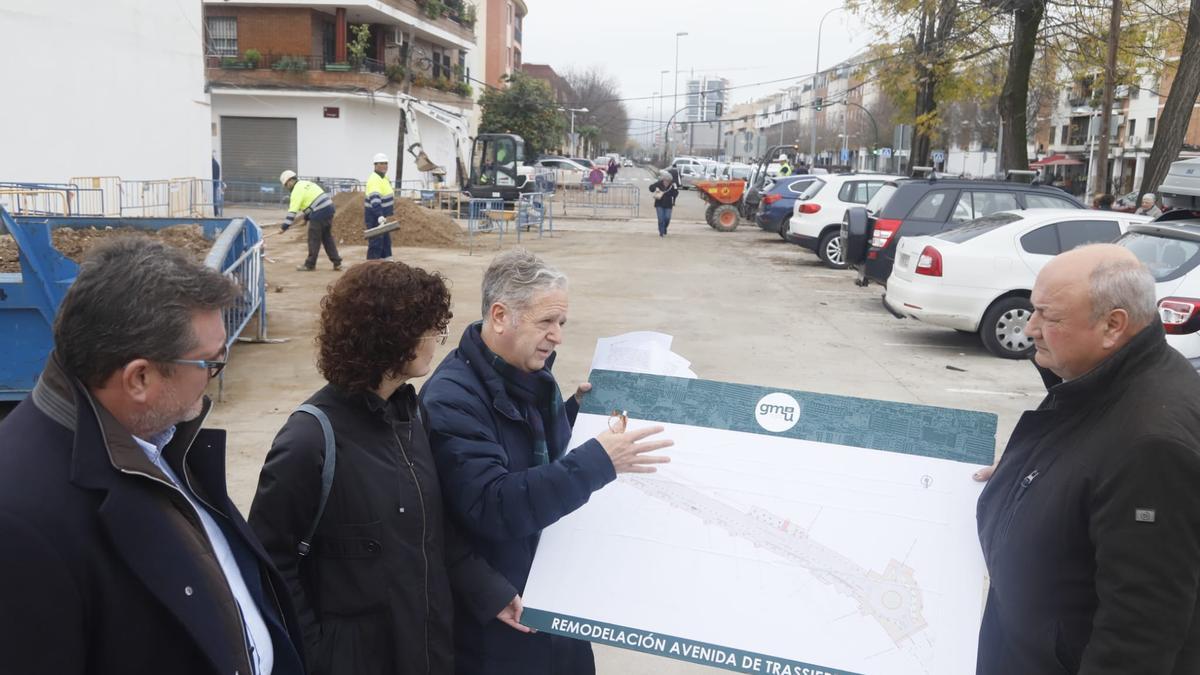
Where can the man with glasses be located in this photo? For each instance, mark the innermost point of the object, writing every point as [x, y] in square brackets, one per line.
[499, 429]
[122, 550]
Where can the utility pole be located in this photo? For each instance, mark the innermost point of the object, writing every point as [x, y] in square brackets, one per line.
[1110, 72]
[675, 100]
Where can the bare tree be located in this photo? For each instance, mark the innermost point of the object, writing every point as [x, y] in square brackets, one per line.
[598, 92]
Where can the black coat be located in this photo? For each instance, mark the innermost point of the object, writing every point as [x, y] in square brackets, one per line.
[105, 568]
[1091, 524]
[374, 591]
[484, 450]
[664, 194]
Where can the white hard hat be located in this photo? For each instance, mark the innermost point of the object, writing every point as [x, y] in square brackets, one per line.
[286, 176]
[380, 157]
[782, 158]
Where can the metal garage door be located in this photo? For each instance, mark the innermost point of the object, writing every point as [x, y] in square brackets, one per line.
[255, 150]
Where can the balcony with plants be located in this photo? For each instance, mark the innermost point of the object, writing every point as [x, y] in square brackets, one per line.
[254, 68]
[455, 16]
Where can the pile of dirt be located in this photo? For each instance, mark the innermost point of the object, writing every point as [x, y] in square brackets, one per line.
[419, 227]
[75, 243]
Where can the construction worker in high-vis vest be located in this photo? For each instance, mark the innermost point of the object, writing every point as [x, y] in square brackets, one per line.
[379, 206]
[318, 209]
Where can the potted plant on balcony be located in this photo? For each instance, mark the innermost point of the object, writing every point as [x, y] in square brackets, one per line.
[434, 9]
[252, 58]
[468, 16]
[357, 47]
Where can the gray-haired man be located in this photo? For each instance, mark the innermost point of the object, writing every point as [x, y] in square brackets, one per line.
[499, 431]
[1090, 524]
[122, 552]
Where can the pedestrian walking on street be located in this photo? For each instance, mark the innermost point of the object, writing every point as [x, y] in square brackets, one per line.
[1103, 202]
[596, 177]
[373, 580]
[665, 191]
[1090, 523]
[613, 168]
[310, 199]
[122, 551]
[380, 204]
[1149, 206]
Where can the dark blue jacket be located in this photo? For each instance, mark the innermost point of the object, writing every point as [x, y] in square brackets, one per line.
[483, 447]
[104, 566]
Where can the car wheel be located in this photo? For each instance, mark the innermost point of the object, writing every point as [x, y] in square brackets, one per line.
[784, 226]
[830, 250]
[725, 218]
[1003, 328]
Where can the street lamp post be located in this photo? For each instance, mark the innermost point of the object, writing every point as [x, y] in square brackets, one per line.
[675, 100]
[812, 148]
[574, 149]
[661, 95]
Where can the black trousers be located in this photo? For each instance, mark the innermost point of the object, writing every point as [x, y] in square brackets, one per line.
[321, 232]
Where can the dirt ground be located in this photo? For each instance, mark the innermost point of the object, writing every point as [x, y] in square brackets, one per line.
[743, 307]
[75, 243]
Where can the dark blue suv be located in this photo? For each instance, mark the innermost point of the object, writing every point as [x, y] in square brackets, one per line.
[779, 196]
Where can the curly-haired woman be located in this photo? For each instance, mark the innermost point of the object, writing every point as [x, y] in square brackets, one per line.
[374, 590]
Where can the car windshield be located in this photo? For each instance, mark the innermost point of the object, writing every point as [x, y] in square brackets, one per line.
[1167, 258]
[812, 190]
[969, 230]
[882, 195]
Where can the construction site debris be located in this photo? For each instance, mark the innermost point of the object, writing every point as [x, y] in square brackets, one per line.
[419, 227]
[75, 243]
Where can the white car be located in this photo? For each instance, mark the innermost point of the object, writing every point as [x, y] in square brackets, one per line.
[976, 278]
[1171, 251]
[566, 171]
[817, 215]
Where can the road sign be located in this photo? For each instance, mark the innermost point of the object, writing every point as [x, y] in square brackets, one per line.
[885, 153]
[939, 156]
[845, 155]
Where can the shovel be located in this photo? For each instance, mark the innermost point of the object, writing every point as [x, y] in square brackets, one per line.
[389, 226]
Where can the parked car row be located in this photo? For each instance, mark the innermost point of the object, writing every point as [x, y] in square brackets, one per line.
[963, 254]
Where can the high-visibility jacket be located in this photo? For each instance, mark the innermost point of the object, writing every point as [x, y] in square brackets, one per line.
[380, 200]
[785, 169]
[308, 197]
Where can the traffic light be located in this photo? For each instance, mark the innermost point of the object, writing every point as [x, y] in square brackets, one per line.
[817, 104]
[720, 108]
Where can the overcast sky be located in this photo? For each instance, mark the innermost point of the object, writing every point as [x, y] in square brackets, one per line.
[746, 41]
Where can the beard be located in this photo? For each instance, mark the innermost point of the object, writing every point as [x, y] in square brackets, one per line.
[171, 410]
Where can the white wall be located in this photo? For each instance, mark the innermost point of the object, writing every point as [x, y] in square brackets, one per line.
[103, 88]
[339, 147]
[342, 147]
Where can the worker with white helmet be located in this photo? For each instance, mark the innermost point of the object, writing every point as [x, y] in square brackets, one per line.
[785, 169]
[318, 209]
[379, 205]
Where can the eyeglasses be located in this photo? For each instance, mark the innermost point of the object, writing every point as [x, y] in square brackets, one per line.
[214, 367]
[440, 337]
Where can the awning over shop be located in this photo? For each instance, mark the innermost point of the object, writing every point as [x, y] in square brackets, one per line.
[1057, 160]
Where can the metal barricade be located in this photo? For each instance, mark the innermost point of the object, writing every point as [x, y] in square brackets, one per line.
[192, 197]
[238, 254]
[146, 198]
[257, 194]
[74, 200]
[27, 202]
[477, 220]
[109, 188]
[607, 200]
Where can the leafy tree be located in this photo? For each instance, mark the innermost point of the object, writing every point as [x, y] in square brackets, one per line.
[526, 107]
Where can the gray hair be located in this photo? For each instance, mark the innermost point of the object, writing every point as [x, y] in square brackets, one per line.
[666, 174]
[1123, 284]
[133, 299]
[1151, 196]
[515, 277]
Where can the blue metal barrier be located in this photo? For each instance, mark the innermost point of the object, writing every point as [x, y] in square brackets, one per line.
[30, 299]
